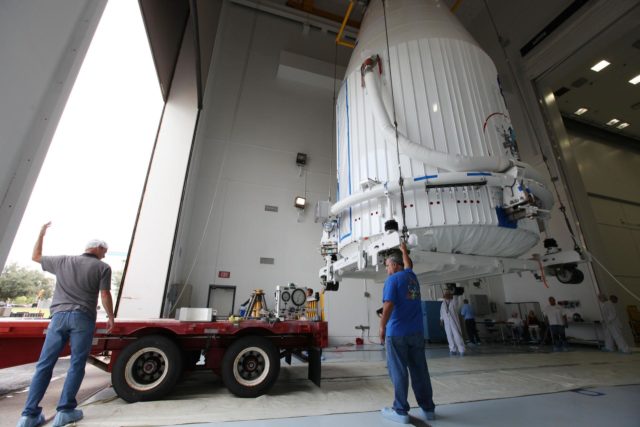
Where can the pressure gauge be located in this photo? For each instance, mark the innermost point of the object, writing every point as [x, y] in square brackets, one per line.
[286, 296]
[299, 297]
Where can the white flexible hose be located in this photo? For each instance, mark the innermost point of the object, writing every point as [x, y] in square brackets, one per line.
[447, 178]
[436, 159]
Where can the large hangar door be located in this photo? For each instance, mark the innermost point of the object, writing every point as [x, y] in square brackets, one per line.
[145, 278]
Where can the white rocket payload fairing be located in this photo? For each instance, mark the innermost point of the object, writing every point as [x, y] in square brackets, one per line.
[470, 205]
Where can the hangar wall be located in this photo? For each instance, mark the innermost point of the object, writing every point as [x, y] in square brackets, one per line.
[611, 168]
[252, 125]
[532, 118]
[144, 286]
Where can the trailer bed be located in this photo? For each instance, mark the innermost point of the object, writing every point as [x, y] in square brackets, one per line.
[147, 357]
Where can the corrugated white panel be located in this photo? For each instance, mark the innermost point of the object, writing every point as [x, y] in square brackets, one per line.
[447, 98]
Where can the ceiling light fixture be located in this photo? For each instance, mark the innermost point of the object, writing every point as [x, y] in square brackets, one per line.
[600, 66]
[622, 125]
[580, 111]
[635, 80]
[612, 122]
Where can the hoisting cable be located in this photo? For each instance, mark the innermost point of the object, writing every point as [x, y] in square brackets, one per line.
[629, 291]
[562, 208]
[405, 232]
[333, 119]
[577, 247]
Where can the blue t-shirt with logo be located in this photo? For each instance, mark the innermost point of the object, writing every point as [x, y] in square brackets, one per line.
[403, 290]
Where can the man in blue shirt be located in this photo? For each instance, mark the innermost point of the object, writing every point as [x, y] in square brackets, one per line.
[402, 332]
[470, 322]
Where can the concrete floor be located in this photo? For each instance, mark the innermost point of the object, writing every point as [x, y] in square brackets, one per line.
[14, 383]
[614, 406]
[606, 406]
[599, 406]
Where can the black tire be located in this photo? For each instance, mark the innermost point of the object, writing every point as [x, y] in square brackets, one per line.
[564, 274]
[147, 369]
[250, 366]
[578, 277]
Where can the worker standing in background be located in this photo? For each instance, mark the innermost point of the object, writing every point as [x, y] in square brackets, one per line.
[402, 333]
[611, 325]
[451, 322]
[533, 326]
[79, 280]
[557, 321]
[469, 315]
[517, 326]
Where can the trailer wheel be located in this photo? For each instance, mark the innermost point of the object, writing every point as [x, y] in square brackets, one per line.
[250, 366]
[569, 275]
[147, 369]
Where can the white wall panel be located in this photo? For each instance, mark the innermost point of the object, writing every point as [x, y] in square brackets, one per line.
[145, 279]
[252, 125]
[608, 170]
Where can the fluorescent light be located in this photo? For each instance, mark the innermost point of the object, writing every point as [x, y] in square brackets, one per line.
[435, 108]
[600, 65]
[622, 125]
[635, 80]
[580, 111]
[612, 122]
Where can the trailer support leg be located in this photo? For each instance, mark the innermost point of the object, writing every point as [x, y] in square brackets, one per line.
[315, 365]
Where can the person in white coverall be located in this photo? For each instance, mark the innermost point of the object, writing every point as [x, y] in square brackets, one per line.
[611, 325]
[451, 321]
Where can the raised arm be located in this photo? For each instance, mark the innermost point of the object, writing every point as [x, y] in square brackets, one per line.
[406, 260]
[37, 249]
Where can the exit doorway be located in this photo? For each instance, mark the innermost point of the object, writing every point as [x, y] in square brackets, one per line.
[222, 299]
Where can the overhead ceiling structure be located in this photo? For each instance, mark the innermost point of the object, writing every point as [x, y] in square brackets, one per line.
[165, 22]
[330, 9]
[605, 99]
[611, 101]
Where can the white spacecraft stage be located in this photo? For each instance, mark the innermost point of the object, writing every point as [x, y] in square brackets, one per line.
[471, 206]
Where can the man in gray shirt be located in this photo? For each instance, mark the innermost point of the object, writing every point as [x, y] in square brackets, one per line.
[79, 280]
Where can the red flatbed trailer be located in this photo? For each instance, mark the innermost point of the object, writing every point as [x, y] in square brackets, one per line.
[146, 358]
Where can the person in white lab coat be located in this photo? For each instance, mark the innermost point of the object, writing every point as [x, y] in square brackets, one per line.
[611, 325]
[451, 321]
[557, 321]
[517, 326]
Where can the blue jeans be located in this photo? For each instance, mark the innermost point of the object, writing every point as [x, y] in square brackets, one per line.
[76, 327]
[557, 336]
[408, 353]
